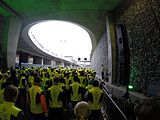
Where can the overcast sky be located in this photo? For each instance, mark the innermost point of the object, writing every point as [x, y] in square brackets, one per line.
[62, 38]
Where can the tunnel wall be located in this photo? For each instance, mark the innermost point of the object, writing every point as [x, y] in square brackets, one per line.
[142, 20]
[100, 54]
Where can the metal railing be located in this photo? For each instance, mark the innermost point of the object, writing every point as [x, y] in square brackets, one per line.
[113, 112]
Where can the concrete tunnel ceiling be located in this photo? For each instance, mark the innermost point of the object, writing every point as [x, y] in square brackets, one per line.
[28, 8]
[88, 13]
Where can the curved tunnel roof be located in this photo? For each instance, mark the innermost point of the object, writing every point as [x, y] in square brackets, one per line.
[89, 14]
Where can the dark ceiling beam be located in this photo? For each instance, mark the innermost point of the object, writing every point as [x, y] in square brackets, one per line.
[10, 9]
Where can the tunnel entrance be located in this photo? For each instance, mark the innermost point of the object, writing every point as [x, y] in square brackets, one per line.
[62, 39]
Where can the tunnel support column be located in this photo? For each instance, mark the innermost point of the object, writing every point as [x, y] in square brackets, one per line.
[53, 63]
[13, 35]
[111, 49]
[42, 63]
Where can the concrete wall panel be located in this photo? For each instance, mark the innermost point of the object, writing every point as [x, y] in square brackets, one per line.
[142, 19]
[100, 54]
[13, 36]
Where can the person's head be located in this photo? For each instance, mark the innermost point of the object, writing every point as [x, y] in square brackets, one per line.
[13, 72]
[81, 110]
[147, 109]
[37, 80]
[95, 83]
[61, 80]
[10, 93]
[76, 79]
[46, 75]
[56, 80]
[36, 74]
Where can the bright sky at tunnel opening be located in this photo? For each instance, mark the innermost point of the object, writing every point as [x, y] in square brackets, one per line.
[62, 39]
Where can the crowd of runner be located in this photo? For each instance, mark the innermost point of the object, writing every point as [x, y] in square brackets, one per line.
[52, 93]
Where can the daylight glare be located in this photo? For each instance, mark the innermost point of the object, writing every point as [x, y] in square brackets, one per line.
[62, 39]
